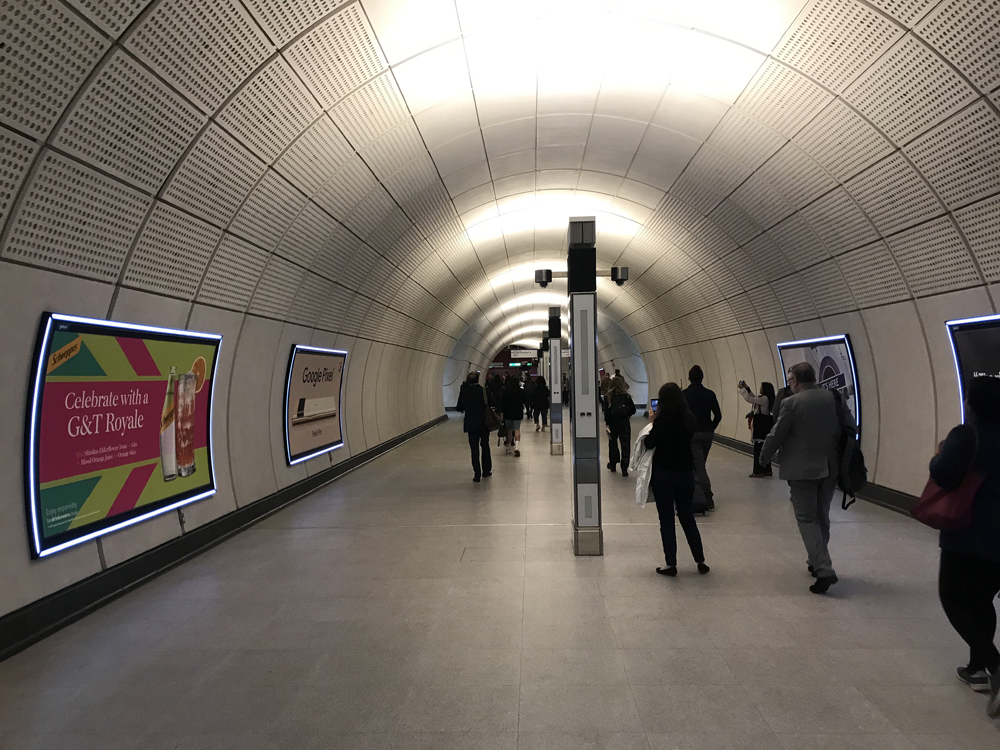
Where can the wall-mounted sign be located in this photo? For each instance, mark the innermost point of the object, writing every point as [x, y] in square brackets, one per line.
[523, 353]
[975, 345]
[833, 361]
[313, 423]
[119, 427]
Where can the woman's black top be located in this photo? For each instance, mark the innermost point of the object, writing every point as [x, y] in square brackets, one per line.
[512, 403]
[672, 439]
[541, 396]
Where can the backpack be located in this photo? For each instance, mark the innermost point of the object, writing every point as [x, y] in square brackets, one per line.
[620, 407]
[853, 474]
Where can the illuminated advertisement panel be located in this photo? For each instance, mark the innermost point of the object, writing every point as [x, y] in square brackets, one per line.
[833, 360]
[975, 345]
[313, 424]
[119, 427]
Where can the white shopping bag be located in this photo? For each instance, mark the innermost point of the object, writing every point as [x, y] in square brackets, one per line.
[643, 467]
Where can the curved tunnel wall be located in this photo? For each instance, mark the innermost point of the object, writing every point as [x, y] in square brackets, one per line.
[281, 172]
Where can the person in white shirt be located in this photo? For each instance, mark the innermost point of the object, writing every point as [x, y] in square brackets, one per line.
[761, 422]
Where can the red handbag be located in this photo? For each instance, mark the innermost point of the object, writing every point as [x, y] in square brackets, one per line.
[948, 510]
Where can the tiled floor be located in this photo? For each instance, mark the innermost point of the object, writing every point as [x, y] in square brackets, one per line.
[405, 607]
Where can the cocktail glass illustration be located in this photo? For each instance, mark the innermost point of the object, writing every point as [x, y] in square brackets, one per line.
[184, 406]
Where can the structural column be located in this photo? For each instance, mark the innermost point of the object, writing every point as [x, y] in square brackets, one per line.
[588, 536]
[555, 383]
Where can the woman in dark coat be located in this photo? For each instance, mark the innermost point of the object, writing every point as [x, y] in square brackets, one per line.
[541, 403]
[969, 579]
[673, 475]
[512, 405]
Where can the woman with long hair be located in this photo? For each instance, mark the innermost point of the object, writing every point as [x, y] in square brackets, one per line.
[672, 480]
[541, 403]
[512, 405]
[761, 422]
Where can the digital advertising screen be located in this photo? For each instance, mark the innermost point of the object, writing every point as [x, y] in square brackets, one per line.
[833, 360]
[313, 423]
[975, 345]
[118, 427]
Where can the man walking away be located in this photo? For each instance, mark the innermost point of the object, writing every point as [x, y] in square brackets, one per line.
[807, 433]
[705, 407]
[529, 398]
[618, 408]
[781, 395]
[473, 401]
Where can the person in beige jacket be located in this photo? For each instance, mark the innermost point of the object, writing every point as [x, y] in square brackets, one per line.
[807, 434]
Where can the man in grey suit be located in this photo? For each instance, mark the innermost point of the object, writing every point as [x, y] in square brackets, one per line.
[807, 432]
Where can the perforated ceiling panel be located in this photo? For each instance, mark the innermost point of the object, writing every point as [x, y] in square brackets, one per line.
[372, 110]
[75, 220]
[933, 258]
[799, 242]
[283, 21]
[16, 155]
[113, 16]
[905, 11]
[968, 33]
[130, 124]
[873, 275]
[782, 98]
[796, 176]
[980, 223]
[268, 211]
[893, 194]
[232, 274]
[46, 53]
[315, 156]
[828, 289]
[842, 141]
[839, 222]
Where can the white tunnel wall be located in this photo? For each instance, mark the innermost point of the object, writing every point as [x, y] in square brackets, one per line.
[388, 390]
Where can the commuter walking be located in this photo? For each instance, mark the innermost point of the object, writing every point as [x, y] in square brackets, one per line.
[673, 480]
[605, 387]
[761, 422]
[542, 396]
[618, 409]
[496, 387]
[529, 398]
[705, 406]
[969, 578]
[807, 433]
[565, 390]
[473, 401]
[780, 396]
[512, 405]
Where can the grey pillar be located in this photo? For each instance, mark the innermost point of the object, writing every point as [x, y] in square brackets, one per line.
[555, 383]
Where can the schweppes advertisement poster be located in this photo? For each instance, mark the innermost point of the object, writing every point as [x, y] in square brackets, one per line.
[119, 427]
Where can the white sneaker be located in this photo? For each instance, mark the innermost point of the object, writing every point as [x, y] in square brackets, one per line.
[537, 428]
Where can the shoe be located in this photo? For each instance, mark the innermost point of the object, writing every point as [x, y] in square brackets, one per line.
[768, 473]
[517, 454]
[624, 472]
[812, 571]
[978, 680]
[823, 584]
[611, 467]
[993, 707]
[537, 428]
[668, 571]
[756, 476]
[702, 568]
[487, 474]
[475, 478]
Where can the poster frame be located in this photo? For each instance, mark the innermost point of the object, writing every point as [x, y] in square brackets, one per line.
[842, 337]
[991, 321]
[329, 448]
[38, 545]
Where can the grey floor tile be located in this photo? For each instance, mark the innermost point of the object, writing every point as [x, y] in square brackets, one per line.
[698, 709]
[845, 742]
[924, 709]
[435, 708]
[582, 741]
[741, 741]
[579, 709]
[686, 666]
[573, 666]
[819, 710]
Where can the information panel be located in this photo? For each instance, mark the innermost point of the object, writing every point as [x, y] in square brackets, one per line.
[833, 360]
[119, 427]
[975, 344]
[313, 423]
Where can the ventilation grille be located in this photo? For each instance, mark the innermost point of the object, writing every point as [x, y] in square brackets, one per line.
[842, 141]
[16, 155]
[909, 90]
[337, 56]
[735, 223]
[315, 157]
[795, 298]
[130, 124]
[768, 257]
[270, 111]
[306, 236]
[828, 289]
[285, 21]
[961, 159]
[268, 211]
[45, 52]
[277, 288]
[75, 220]
[371, 111]
[744, 140]
[799, 242]
[967, 32]
[310, 300]
[797, 177]
[835, 40]
[782, 98]
[893, 195]
[839, 222]
[767, 306]
[172, 253]
[873, 275]
[933, 258]
[980, 224]
[215, 177]
[111, 15]
[761, 202]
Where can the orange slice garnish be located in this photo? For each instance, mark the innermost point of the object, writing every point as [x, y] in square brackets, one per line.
[200, 369]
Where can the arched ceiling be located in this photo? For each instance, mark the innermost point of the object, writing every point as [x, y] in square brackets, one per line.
[396, 169]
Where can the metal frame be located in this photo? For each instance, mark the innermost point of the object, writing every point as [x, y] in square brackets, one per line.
[296, 348]
[846, 339]
[954, 325]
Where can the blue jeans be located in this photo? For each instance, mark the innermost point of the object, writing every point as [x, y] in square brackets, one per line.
[670, 489]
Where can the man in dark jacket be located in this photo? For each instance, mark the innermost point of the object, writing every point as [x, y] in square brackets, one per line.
[473, 401]
[529, 397]
[705, 407]
[618, 409]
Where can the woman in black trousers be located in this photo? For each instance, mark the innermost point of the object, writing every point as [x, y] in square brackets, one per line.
[673, 475]
[969, 579]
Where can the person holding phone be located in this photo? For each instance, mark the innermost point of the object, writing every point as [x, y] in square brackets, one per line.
[761, 422]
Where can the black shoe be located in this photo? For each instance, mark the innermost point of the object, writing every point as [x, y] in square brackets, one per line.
[993, 707]
[612, 467]
[669, 571]
[702, 568]
[711, 505]
[487, 473]
[475, 478]
[812, 571]
[624, 472]
[978, 680]
[823, 584]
